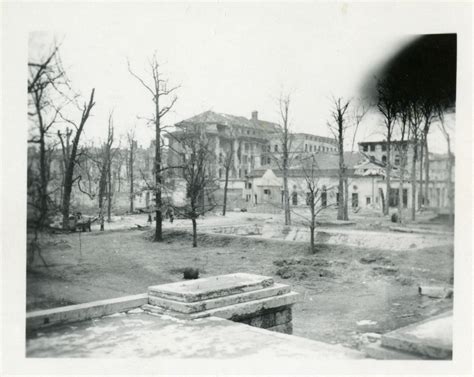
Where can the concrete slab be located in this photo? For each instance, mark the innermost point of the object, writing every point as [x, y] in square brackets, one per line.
[233, 312]
[212, 287]
[80, 312]
[194, 307]
[145, 336]
[432, 337]
[378, 352]
[436, 292]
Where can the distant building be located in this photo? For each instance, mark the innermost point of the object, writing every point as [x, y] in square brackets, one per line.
[365, 178]
[256, 144]
[438, 169]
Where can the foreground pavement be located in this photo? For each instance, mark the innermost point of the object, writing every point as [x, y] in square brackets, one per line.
[138, 334]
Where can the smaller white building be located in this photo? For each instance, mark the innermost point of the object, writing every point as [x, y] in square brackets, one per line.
[366, 183]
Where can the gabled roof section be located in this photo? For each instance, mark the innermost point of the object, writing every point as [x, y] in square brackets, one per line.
[327, 165]
[211, 117]
[329, 161]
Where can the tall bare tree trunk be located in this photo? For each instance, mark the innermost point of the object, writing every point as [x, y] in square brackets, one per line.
[400, 185]
[420, 192]
[131, 179]
[427, 172]
[313, 222]
[346, 196]
[194, 232]
[109, 189]
[228, 162]
[286, 194]
[388, 172]
[450, 183]
[158, 178]
[286, 197]
[68, 179]
[43, 180]
[157, 89]
[224, 206]
[341, 204]
[413, 181]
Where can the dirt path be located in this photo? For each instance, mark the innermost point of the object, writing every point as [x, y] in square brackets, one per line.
[339, 286]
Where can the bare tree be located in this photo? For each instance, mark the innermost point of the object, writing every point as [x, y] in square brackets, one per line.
[387, 106]
[158, 89]
[130, 165]
[227, 163]
[72, 158]
[402, 149]
[45, 81]
[415, 121]
[196, 155]
[338, 127]
[360, 110]
[286, 142]
[449, 183]
[428, 110]
[283, 157]
[316, 196]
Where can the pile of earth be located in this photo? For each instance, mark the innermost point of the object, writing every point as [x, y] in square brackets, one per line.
[304, 268]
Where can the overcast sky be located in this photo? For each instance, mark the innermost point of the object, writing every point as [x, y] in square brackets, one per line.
[231, 58]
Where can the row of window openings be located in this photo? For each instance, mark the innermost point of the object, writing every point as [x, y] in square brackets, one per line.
[320, 148]
[371, 147]
[396, 160]
[294, 198]
[239, 173]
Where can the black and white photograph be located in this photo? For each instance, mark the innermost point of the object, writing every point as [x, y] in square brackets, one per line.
[236, 187]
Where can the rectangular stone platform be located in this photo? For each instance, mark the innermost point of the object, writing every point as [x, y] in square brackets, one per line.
[212, 287]
[251, 299]
[204, 305]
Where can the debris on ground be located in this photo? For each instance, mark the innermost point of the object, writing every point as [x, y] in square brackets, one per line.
[366, 322]
[303, 268]
[378, 259]
[385, 270]
[435, 292]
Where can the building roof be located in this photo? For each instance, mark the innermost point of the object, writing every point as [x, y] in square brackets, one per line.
[323, 139]
[211, 117]
[327, 163]
[384, 142]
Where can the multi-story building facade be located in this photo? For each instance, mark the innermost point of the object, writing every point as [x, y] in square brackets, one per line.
[438, 170]
[254, 143]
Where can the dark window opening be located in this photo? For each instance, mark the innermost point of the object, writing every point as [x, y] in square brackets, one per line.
[355, 200]
[324, 199]
[294, 199]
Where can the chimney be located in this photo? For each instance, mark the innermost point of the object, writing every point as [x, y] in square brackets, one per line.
[254, 115]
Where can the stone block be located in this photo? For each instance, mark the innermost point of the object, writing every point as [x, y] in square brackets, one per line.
[194, 307]
[378, 352]
[283, 316]
[212, 287]
[436, 292]
[431, 337]
[286, 328]
[234, 312]
[267, 318]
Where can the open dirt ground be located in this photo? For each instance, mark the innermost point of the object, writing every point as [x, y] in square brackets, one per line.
[345, 291]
